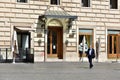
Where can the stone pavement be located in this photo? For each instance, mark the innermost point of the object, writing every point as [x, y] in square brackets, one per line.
[59, 71]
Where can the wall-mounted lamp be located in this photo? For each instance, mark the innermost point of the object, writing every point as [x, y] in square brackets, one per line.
[69, 25]
[45, 31]
[66, 42]
[39, 42]
[42, 23]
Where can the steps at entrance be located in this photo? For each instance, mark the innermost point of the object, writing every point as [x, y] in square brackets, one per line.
[54, 60]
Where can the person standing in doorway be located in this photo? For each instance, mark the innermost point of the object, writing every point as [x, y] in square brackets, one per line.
[90, 55]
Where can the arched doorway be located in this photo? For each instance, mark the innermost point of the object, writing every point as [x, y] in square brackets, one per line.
[55, 39]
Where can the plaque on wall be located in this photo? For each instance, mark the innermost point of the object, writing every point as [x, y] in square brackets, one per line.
[71, 35]
[39, 35]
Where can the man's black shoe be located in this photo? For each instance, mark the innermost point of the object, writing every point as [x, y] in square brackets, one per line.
[91, 66]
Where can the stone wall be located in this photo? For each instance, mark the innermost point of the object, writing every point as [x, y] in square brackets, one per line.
[98, 17]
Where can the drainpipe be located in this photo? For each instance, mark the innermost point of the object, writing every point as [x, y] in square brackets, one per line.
[45, 34]
[44, 44]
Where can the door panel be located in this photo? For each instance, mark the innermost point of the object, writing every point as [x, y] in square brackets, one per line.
[113, 46]
[118, 46]
[55, 42]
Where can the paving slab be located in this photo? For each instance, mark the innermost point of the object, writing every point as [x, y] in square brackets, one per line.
[59, 71]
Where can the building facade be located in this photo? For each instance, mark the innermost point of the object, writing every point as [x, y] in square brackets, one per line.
[58, 30]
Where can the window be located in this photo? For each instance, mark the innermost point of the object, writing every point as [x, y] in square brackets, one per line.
[113, 4]
[55, 2]
[23, 1]
[85, 3]
[23, 40]
[85, 39]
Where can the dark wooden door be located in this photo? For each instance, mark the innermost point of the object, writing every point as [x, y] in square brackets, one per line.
[55, 42]
[113, 46]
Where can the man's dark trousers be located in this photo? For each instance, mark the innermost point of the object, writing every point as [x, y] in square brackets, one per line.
[90, 61]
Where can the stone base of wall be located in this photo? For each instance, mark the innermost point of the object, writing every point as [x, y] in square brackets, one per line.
[102, 57]
[39, 57]
[72, 56]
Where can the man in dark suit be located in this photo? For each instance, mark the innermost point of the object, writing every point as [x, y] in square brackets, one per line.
[90, 54]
